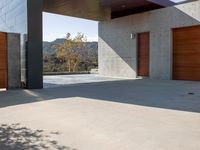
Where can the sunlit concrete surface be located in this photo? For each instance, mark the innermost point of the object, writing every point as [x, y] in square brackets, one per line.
[61, 80]
[115, 115]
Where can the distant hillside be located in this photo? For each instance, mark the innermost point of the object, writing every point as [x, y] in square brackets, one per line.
[48, 49]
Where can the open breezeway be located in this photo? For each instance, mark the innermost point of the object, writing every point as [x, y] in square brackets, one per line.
[51, 81]
[122, 115]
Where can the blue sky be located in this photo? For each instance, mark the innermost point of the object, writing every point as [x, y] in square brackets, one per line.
[56, 26]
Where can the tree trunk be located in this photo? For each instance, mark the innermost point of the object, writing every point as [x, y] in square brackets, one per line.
[69, 66]
[74, 68]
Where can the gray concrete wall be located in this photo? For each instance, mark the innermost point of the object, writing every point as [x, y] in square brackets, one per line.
[118, 52]
[14, 64]
[13, 18]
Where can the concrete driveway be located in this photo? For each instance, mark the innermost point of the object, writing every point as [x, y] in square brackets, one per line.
[117, 115]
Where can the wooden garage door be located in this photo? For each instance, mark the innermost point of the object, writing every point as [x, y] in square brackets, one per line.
[186, 53]
[143, 54]
[3, 60]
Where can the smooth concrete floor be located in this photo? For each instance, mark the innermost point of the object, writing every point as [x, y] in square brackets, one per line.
[115, 115]
[62, 80]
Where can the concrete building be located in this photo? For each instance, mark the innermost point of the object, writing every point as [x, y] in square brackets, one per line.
[158, 39]
[23, 17]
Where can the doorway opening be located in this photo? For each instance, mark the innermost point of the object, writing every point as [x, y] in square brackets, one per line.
[70, 51]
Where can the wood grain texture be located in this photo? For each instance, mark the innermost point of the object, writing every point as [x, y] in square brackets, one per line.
[186, 53]
[143, 54]
[3, 60]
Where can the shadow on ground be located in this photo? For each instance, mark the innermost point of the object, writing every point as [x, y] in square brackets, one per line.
[16, 137]
[175, 95]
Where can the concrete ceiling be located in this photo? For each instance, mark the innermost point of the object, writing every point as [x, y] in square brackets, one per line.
[88, 9]
[103, 9]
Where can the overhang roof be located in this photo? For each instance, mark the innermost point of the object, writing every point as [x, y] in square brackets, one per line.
[104, 9]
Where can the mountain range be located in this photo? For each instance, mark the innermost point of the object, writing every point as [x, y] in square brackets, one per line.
[48, 46]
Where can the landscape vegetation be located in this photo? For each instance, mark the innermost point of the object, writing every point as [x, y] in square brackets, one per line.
[70, 54]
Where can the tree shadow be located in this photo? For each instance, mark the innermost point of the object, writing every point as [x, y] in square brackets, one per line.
[17, 137]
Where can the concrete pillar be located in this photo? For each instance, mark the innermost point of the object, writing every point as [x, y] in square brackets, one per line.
[34, 63]
[14, 65]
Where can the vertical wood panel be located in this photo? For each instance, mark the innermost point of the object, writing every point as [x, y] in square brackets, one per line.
[143, 54]
[186, 53]
[3, 60]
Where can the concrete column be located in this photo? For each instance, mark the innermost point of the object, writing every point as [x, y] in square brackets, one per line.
[34, 63]
[14, 65]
